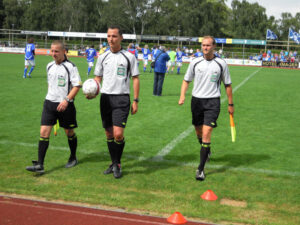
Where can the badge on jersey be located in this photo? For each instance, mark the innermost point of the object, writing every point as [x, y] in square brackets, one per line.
[121, 71]
[61, 81]
[214, 77]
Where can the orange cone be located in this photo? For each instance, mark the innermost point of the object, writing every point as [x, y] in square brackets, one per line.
[209, 195]
[176, 218]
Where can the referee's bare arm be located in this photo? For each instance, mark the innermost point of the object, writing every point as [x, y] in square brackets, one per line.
[136, 92]
[184, 88]
[228, 89]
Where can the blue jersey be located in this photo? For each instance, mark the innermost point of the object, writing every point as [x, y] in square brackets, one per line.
[153, 53]
[146, 52]
[90, 54]
[29, 51]
[198, 54]
[179, 55]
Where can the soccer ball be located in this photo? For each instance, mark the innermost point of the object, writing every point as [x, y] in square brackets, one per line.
[91, 88]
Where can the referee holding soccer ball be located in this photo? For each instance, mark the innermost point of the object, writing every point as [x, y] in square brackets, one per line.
[63, 84]
[114, 68]
[207, 72]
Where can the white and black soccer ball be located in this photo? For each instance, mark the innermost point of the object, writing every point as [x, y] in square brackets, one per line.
[91, 88]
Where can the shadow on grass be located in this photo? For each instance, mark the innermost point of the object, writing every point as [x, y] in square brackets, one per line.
[237, 160]
[146, 165]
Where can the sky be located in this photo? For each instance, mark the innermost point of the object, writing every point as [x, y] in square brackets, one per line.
[276, 7]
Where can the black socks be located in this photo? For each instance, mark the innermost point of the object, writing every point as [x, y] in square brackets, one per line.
[205, 149]
[43, 146]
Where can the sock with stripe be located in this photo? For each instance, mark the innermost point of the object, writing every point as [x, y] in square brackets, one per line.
[110, 145]
[205, 148]
[119, 147]
[73, 146]
[43, 146]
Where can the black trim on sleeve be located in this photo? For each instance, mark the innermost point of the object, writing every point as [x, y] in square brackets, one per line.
[128, 65]
[69, 81]
[196, 65]
[50, 67]
[221, 68]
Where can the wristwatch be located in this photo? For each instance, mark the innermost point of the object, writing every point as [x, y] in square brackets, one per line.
[136, 100]
[67, 99]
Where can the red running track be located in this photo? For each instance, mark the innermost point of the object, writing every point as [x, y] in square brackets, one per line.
[19, 211]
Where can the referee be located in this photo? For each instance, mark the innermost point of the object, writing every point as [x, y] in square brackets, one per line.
[207, 72]
[114, 68]
[63, 84]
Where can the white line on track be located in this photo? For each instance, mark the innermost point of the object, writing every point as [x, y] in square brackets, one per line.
[169, 147]
[118, 218]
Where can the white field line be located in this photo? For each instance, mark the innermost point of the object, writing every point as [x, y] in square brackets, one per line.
[192, 164]
[170, 146]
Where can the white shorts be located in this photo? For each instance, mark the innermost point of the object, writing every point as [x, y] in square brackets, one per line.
[91, 64]
[145, 62]
[179, 64]
[171, 63]
[29, 62]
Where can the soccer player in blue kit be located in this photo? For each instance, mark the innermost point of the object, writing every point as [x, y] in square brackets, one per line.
[90, 54]
[146, 52]
[29, 57]
[179, 55]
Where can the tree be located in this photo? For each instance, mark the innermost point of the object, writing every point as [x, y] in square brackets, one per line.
[13, 13]
[287, 21]
[248, 20]
[40, 15]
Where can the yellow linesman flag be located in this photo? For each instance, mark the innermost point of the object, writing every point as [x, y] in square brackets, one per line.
[56, 127]
[232, 127]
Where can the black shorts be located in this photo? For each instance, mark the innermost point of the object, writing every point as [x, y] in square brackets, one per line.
[67, 118]
[114, 110]
[205, 111]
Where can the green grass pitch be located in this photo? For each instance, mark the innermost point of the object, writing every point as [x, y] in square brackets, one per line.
[260, 172]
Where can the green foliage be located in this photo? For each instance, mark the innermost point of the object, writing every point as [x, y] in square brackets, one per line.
[261, 168]
[169, 17]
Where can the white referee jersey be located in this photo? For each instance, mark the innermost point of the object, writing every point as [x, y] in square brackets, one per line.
[61, 79]
[207, 76]
[116, 70]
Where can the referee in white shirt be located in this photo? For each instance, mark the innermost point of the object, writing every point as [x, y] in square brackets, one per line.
[63, 84]
[114, 69]
[207, 72]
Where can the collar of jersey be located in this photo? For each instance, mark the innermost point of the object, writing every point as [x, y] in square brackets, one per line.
[117, 51]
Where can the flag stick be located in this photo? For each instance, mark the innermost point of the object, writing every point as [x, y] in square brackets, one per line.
[232, 127]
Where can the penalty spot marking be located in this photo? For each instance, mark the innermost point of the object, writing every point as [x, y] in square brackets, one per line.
[169, 147]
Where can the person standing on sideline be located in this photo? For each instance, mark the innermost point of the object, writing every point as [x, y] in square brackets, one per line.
[63, 84]
[171, 63]
[114, 68]
[146, 52]
[90, 53]
[29, 57]
[153, 53]
[207, 72]
[160, 68]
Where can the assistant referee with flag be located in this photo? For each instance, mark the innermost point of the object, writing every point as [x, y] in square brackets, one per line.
[207, 72]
